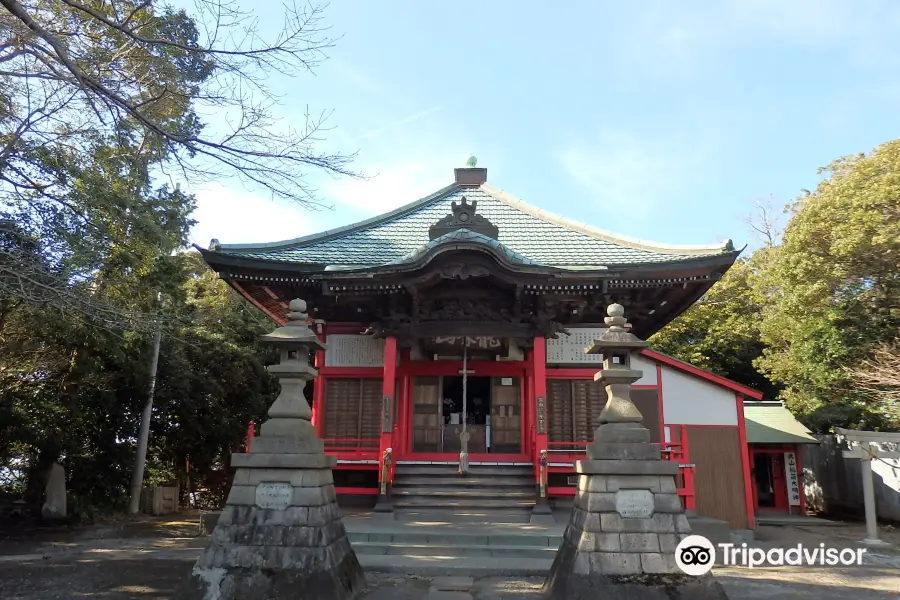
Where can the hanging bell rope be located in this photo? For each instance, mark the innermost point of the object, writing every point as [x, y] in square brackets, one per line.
[464, 436]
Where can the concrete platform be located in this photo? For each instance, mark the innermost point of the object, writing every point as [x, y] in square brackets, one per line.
[796, 520]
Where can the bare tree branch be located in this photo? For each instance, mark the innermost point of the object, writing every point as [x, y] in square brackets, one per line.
[878, 377]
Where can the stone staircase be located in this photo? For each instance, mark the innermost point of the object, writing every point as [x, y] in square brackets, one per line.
[487, 494]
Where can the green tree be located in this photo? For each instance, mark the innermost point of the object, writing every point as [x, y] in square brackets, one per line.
[98, 98]
[721, 331]
[832, 289]
[73, 393]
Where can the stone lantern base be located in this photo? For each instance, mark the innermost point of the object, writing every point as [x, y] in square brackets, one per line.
[625, 527]
[280, 534]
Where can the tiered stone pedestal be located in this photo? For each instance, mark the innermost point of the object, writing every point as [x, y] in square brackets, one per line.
[280, 534]
[626, 524]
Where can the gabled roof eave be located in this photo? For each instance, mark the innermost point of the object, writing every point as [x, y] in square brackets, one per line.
[606, 236]
[339, 231]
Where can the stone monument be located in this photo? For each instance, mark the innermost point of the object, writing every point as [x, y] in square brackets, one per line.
[54, 506]
[281, 534]
[628, 518]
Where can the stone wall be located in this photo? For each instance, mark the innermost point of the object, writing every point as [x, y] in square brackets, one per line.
[833, 483]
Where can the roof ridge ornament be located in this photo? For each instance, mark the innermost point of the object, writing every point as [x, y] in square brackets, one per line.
[463, 216]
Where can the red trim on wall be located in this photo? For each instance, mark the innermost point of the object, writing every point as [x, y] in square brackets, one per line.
[353, 372]
[659, 401]
[452, 368]
[745, 456]
[702, 373]
[473, 457]
[704, 425]
[280, 320]
[354, 466]
[356, 491]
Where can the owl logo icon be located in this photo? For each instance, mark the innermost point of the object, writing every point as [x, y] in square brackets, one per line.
[695, 555]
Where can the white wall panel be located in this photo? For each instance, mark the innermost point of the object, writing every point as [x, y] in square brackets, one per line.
[568, 349]
[690, 400]
[647, 366]
[354, 351]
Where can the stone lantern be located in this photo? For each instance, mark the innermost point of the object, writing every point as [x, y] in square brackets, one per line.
[617, 344]
[628, 521]
[281, 533]
[290, 414]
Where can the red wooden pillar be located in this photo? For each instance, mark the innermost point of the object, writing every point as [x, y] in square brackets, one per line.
[539, 382]
[388, 397]
[528, 410]
[318, 403]
[749, 494]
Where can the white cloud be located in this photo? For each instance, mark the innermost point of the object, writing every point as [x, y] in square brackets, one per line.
[234, 216]
[399, 123]
[626, 173]
[676, 37]
[394, 183]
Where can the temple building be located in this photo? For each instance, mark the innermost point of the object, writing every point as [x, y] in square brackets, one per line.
[472, 289]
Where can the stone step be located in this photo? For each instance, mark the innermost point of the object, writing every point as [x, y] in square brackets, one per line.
[454, 538]
[477, 516]
[454, 502]
[461, 481]
[455, 565]
[472, 551]
[462, 493]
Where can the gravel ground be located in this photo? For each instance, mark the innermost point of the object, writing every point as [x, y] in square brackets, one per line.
[158, 579]
[148, 559]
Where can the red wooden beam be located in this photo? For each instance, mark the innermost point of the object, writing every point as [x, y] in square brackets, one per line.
[345, 328]
[659, 401]
[452, 368]
[353, 372]
[702, 373]
[388, 391]
[279, 319]
[745, 462]
[356, 491]
[539, 360]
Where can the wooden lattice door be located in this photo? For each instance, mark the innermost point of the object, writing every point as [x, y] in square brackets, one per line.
[506, 415]
[573, 412]
[427, 416]
[352, 411]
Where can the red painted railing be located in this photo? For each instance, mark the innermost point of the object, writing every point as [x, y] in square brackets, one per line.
[679, 452]
[562, 452]
[364, 448]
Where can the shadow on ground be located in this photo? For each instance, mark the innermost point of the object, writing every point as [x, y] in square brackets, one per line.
[158, 579]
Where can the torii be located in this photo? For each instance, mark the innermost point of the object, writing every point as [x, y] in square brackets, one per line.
[865, 452]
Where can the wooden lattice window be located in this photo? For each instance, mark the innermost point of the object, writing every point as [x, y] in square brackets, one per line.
[573, 409]
[352, 409]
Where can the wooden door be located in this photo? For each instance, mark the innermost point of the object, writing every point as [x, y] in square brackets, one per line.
[427, 414]
[353, 411]
[506, 416]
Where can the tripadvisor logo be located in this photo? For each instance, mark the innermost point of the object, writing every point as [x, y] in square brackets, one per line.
[696, 555]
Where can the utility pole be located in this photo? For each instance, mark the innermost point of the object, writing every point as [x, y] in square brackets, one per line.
[137, 476]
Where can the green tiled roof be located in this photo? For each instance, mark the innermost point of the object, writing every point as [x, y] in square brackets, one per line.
[528, 235]
[772, 423]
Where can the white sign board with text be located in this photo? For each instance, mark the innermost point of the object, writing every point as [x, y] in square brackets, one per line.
[792, 478]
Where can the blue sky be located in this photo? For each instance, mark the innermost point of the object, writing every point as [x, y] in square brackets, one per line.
[663, 121]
